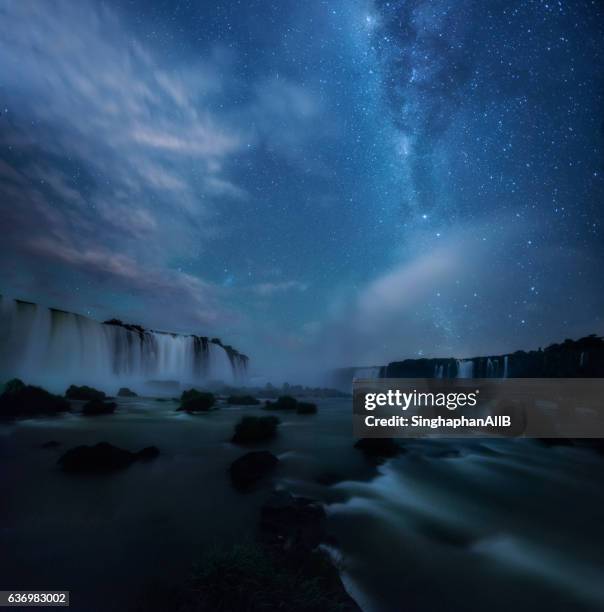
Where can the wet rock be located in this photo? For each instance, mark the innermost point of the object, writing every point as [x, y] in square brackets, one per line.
[97, 407]
[84, 393]
[378, 448]
[242, 400]
[125, 392]
[50, 444]
[255, 429]
[148, 453]
[284, 402]
[101, 458]
[248, 469]
[25, 401]
[196, 401]
[287, 402]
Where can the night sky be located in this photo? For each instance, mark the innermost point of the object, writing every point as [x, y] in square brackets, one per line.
[317, 183]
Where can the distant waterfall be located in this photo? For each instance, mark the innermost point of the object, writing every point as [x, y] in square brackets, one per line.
[465, 368]
[364, 373]
[505, 366]
[55, 349]
[439, 370]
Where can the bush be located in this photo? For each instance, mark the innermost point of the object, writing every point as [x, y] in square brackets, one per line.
[84, 393]
[255, 429]
[242, 400]
[247, 577]
[196, 401]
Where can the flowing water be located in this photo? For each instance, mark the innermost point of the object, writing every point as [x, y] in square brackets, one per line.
[448, 525]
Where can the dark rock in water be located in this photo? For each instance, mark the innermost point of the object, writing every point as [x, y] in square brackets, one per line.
[596, 444]
[125, 392]
[378, 448]
[255, 429]
[329, 478]
[97, 407]
[287, 402]
[295, 524]
[251, 467]
[306, 408]
[84, 393]
[102, 458]
[148, 453]
[50, 444]
[196, 401]
[22, 401]
[284, 402]
[242, 400]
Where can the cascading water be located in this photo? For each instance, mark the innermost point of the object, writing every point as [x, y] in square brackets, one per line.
[465, 368]
[54, 349]
[505, 366]
[367, 373]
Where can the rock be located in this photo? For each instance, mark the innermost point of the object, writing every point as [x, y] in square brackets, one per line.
[50, 444]
[196, 401]
[25, 401]
[306, 408]
[242, 400]
[148, 453]
[84, 393]
[97, 407]
[255, 429]
[284, 402]
[378, 448]
[101, 458]
[294, 524]
[251, 467]
[125, 392]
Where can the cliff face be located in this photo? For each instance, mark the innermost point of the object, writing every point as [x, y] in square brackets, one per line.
[570, 359]
[53, 348]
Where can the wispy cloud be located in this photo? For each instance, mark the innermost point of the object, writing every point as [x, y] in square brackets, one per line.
[268, 289]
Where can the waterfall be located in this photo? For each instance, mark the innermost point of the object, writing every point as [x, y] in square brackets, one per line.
[367, 373]
[505, 366]
[490, 368]
[465, 368]
[439, 370]
[55, 349]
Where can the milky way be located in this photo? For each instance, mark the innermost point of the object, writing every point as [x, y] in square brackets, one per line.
[319, 183]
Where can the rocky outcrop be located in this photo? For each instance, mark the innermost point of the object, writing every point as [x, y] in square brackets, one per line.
[98, 407]
[252, 429]
[102, 458]
[287, 402]
[19, 400]
[125, 392]
[248, 469]
[378, 449]
[84, 393]
[243, 400]
[196, 401]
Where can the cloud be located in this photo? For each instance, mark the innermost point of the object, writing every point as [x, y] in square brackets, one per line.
[466, 296]
[268, 289]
